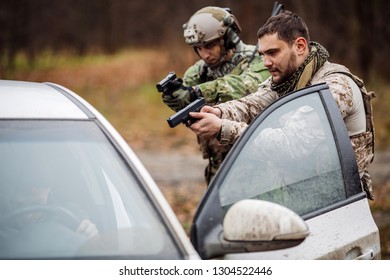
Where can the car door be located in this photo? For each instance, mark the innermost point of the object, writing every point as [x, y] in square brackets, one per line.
[296, 154]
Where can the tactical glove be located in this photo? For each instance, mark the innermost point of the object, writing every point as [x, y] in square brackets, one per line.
[181, 97]
[173, 86]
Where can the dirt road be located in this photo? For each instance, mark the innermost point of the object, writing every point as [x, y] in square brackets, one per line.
[173, 167]
[176, 167]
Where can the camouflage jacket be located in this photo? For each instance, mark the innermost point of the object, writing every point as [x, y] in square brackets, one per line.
[232, 80]
[236, 115]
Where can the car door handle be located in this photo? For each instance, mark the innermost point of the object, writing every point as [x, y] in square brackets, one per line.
[366, 256]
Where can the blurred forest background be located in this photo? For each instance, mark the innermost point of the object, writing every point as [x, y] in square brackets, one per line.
[113, 52]
[355, 32]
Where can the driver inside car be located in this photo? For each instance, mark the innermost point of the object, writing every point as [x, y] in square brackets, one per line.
[33, 222]
[40, 195]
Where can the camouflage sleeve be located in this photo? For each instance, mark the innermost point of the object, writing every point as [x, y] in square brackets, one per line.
[231, 130]
[342, 92]
[242, 80]
[237, 114]
[339, 86]
[191, 76]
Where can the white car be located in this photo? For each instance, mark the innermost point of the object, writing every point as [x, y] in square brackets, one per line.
[71, 188]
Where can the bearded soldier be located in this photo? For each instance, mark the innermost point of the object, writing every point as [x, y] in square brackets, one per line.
[294, 63]
[228, 69]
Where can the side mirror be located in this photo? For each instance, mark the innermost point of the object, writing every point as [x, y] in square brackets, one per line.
[258, 220]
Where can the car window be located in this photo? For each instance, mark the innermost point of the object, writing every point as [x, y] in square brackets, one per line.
[55, 172]
[290, 158]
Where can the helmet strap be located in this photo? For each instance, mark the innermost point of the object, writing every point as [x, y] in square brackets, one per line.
[223, 54]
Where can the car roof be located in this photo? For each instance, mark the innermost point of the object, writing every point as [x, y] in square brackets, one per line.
[33, 100]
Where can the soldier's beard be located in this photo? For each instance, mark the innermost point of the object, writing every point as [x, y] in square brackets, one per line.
[286, 74]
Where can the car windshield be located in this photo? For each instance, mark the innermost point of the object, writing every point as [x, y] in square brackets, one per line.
[290, 158]
[56, 174]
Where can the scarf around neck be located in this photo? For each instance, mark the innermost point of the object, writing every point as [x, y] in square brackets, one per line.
[317, 57]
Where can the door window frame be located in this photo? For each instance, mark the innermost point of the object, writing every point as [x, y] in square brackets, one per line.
[208, 219]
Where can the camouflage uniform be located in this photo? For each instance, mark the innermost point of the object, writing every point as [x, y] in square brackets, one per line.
[233, 79]
[238, 114]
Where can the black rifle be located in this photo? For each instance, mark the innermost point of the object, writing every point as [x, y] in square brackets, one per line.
[183, 116]
[277, 9]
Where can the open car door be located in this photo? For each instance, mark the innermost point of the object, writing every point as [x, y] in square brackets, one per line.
[289, 189]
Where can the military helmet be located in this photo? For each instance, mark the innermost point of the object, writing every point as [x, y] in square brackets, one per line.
[209, 24]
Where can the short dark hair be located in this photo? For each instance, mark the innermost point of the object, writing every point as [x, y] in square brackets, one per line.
[287, 25]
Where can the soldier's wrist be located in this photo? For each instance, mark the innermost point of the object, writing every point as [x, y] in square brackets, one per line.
[219, 134]
[195, 93]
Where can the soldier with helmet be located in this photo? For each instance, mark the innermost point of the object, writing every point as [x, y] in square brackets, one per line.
[228, 69]
[296, 62]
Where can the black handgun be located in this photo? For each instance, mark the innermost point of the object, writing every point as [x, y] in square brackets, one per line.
[170, 82]
[183, 116]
